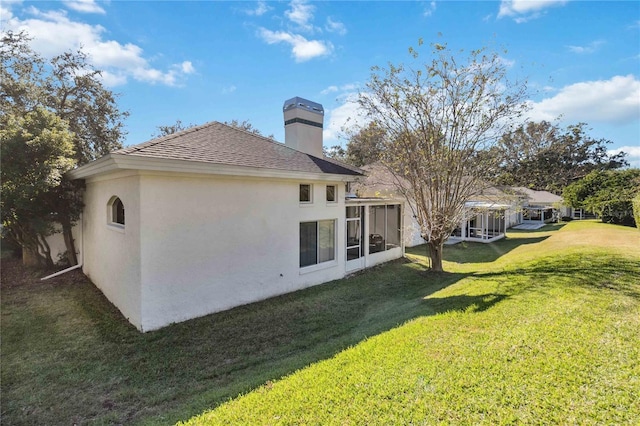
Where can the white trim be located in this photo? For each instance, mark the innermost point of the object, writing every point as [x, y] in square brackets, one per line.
[318, 267]
[116, 227]
[305, 269]
[110, 214]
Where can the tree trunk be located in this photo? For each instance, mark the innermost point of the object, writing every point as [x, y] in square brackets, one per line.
[30, 258]
[69, 242]
[435, 253]
[45, 251]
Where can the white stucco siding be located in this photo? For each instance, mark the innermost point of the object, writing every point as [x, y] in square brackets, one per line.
[210, 243]
[111, 256]
[58, 247]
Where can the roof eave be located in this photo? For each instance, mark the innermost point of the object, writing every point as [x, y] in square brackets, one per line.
[114, 162]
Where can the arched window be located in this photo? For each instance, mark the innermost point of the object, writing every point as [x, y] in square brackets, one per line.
[116, 211]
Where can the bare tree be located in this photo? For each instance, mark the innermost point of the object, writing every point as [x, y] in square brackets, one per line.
[440, 119]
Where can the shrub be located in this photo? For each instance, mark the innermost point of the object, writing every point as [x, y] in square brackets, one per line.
[636, 210]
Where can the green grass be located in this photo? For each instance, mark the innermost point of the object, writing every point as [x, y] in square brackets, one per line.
[539, 328]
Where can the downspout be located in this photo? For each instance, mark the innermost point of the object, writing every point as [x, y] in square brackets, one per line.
[79, 265]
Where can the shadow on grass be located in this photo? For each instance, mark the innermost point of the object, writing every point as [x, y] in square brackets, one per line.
[465, 303]
[124, 376]
[472, 252]
[595, 270]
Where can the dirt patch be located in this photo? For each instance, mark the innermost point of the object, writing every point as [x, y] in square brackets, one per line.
[14, 274]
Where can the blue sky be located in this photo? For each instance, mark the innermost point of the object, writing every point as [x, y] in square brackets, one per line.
[200, 61]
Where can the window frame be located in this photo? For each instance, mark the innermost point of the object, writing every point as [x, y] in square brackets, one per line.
[114, 212]
[310, 200]
[335, 194]
[318, 264]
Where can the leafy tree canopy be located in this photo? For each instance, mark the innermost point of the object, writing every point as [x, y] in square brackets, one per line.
[336, 152]
[542, 156]
[65, 89]
[178, 127]
[365, 145]
[171, 129]
[41, 149]
[67, 85]
[608, 193]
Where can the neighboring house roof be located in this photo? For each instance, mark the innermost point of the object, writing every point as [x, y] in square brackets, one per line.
[215, 143]
[381, 182]
[536, 198]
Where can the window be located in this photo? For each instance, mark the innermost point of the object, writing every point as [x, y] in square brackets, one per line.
[116, 211]
[305, 193]
[317, 242]
[384, 227]
[331, 193]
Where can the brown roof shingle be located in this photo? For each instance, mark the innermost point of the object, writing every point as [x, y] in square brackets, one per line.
[219, 143]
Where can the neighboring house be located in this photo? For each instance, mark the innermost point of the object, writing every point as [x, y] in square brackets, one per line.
[214, 217]
[538, 207]
[380, 184]
[487, 215]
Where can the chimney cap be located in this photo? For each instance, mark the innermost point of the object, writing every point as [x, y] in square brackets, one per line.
[306, 104]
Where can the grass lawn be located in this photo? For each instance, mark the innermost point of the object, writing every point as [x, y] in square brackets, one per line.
[540, 328]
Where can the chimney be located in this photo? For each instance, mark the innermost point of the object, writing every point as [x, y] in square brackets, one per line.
[303, 121]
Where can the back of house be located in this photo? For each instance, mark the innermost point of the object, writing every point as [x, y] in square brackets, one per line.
[215, 217]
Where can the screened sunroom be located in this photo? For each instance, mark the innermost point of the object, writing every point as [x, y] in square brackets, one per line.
[483, 222]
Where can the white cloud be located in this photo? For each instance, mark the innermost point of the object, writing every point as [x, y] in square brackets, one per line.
[117, 61]
[113, 79]
[344, 88]
[260, 9]
[590, 48]
[229, 89]
[335, 27]
[431, 9]
[633, 154]
[613, 101]
[85, 6]
[187, 67]
[346, 116]
[525, 10]
[301, 48]
[301, 13]
[330, 89]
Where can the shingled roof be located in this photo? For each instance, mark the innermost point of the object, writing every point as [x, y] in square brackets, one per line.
[218, 143]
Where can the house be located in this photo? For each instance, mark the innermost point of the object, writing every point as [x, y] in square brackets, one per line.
[215, 217]
[487, 214]
[538, 207]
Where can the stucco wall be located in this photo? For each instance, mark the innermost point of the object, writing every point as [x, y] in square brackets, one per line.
[112, 254]
[212, 243]
[58, 247]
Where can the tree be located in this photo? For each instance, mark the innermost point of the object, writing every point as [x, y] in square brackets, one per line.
[439, 120]
[541, 156]
[335, 152]
[607, 193]
[40, 146]
[365, 146]
[169, 130]
[178, 127]
[246, 126]
[69, 87]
